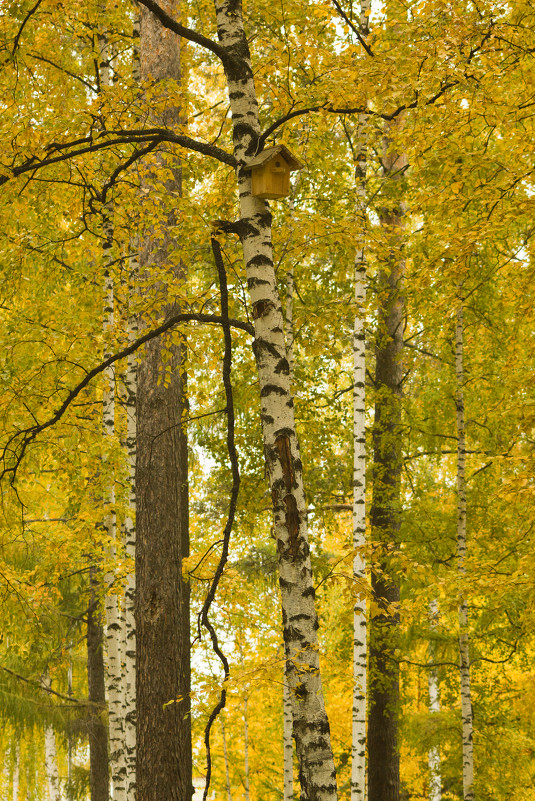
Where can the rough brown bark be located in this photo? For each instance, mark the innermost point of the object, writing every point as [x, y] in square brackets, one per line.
[162, 597]
[383, 756]
[98, 730]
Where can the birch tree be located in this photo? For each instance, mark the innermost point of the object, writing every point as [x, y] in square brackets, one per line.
[435, 779]
[283, 463]
[360, 651]
[464, 655]
[97, 729]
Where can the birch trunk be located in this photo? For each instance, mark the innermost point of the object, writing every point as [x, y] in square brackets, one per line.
[225, 756]
[283, 462]
[16, 772]
[383, 755]
[288, 750]
[51, 763]
[246, 748]
[69, 735]
[288, 792]
[113, 619]
[129, 647]
[360, 675]
[464, 656]
[98, 733]
[435, 779]
[164, 764]
[129, 644]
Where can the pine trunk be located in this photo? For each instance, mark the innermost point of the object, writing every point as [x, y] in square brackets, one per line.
[98, 733]
[283, 462]
[383, 755]
[464, 655]
[164, 764]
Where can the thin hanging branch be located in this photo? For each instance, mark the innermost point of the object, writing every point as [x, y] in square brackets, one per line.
[233, 458]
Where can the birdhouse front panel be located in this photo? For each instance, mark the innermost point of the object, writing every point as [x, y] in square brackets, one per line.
[271, 180]
[270, 172]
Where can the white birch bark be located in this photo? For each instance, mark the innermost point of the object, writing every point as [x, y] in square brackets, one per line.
[69, 737]
[129, 644]
[358, 767]
[113, 618]
[246, 747]
[225, 756]
[464, 656]
[433, 757]
[288, 752]
[283, 462]
[16, 772]
[51, 765]
[360, 676]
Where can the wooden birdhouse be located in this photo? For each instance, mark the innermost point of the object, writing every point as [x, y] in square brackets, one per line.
[270, 172]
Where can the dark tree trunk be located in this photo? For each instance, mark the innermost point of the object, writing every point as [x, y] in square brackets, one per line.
[385, 512]
[162, 597]
[98, 730]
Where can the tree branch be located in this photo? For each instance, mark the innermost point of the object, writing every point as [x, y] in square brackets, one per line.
[122, 137]
[30, 13]
[233, 500]
[17, 444]
[172, 25]
[354, 28]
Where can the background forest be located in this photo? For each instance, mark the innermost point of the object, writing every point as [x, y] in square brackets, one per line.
[402, 325]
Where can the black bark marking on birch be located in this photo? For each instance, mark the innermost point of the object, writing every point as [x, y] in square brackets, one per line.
[300, 692]
[261, 308]
[268, 347]
[271, 388]
[259, 261]
[283, 367]
[253, 282]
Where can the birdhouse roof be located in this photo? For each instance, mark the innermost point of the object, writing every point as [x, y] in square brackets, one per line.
[270, 153]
